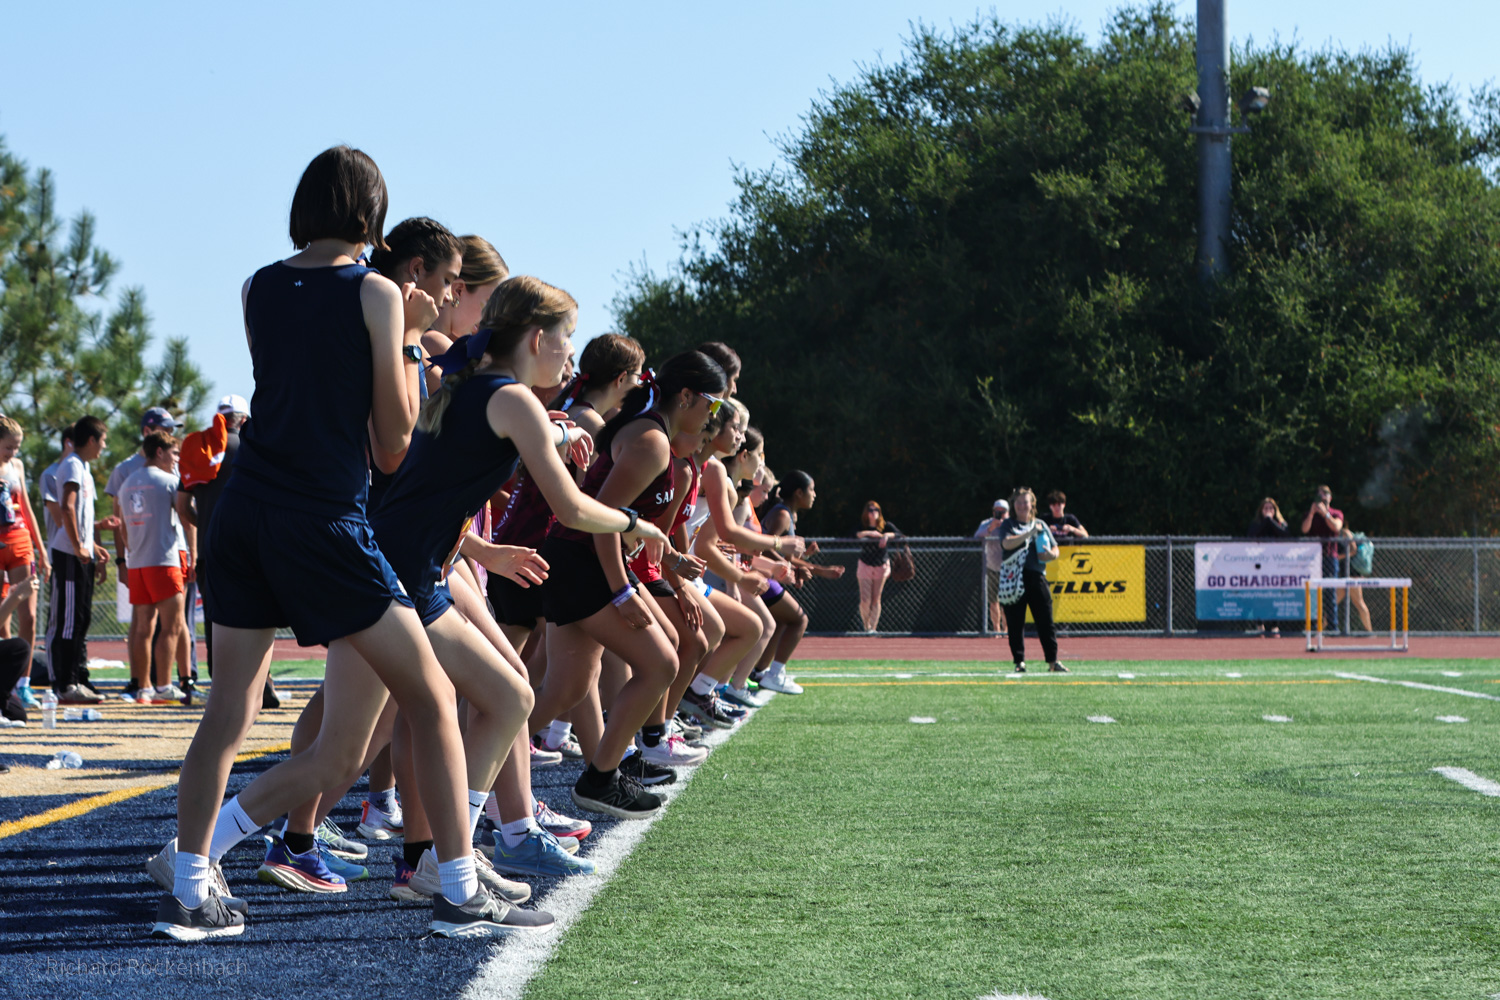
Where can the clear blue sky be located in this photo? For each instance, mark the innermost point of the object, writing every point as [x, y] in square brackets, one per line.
[579, 138]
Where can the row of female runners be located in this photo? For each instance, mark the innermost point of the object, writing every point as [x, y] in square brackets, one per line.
[344, 517]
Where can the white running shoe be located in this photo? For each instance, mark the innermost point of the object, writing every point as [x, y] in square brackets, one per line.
[777, 679]
[171, 693]
[377, 825]
[672, 751]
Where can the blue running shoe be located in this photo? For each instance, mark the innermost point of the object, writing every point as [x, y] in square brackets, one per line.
[28, 699]
[402, 890]
[539, 854]
[342, 867]
[739, 699]
[300, 872]
[730, 709]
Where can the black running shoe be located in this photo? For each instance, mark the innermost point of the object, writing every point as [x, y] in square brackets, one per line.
[620, 796]
[1057, 668]
[268, 696]
[213, 919]
[484, 916]
[690, 729]
[642, 770]
[1021, 667]
[706, 709]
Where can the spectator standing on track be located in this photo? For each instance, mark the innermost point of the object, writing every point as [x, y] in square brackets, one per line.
[1356, 595]
[1324, 521]
[158, 569]
[874, 562]
[1023, 527]
[994, 555]
[1065, 527]
[78, 563]
[1269, 524]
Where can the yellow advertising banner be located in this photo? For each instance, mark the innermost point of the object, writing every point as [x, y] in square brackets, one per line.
[1098, 583]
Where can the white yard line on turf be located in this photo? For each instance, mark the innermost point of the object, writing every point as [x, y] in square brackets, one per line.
[1470, 780]
[1418, 685]
[518, 958]
[997, 995]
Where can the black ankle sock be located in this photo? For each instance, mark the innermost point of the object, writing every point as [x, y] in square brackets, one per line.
[595, 778]
[413, 850]
[298, 843]
[652, 735]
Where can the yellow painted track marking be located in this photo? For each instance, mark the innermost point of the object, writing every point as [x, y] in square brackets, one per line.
[87, 805]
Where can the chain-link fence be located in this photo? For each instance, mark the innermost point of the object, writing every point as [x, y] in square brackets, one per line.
[1146, 585]
[1117, 585]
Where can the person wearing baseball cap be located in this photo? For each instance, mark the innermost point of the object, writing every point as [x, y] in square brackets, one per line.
[994, 555]
[234, 404]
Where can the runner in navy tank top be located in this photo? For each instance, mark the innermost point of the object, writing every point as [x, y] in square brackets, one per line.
[588, 595]
[292, 547]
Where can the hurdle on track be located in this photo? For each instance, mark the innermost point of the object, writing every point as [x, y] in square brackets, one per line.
[1399, 641]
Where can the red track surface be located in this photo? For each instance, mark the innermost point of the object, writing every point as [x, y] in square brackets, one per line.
[1131, 647]
[1070, 649]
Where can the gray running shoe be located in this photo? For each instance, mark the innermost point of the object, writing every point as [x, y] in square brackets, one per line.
[176, 922]
[482, 915]
[163, 871]
[332, 836]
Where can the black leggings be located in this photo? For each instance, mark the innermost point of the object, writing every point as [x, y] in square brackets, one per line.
[15, 660]
[1038, 597]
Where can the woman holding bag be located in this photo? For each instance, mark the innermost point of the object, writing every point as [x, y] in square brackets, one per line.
[1024, 529]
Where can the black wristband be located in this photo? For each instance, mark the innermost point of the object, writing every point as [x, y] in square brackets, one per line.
[633, 518]
[119, 560]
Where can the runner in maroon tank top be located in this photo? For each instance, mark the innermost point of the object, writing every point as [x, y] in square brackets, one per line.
[589, 595]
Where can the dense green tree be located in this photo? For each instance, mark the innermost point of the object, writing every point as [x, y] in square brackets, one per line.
[974, 270]
[60, 357]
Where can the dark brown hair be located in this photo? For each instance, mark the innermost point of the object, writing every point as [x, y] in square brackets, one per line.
[341, 196]
[416, 238]
[724, 355]
[1056, 496]
[879, 515]
[87, 429]
[156, 442]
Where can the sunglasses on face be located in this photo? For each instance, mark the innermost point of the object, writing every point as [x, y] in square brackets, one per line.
[714, 402]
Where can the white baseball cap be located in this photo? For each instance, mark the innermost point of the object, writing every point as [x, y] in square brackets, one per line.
[1003, 503]
[234, 404]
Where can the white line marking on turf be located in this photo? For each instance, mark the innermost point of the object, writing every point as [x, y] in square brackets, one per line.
[1277, 718]
[1451, 718]
[517, 959]
[1470, 780]
[997, 995]
[921, 719]
[904, 677]
[1128, 677]
[1452, 673]
[1419, 686]
[1100, 718]
[1234, 675]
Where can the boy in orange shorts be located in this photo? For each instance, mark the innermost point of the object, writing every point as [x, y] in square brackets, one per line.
[157, 568]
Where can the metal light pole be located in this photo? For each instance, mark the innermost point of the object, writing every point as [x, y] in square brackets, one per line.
[1213, 131]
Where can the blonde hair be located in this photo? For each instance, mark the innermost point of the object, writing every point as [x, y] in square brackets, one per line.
[9, 428]
[482, 263]
[519, 305]
[1019, 492]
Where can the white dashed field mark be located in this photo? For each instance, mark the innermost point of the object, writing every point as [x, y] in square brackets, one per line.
[1100, 718]
[517, 959]
[1452, 673]
[1451, 718]
[921, 720]
[997, 995]
[902, 677]
[1470, 780]
[1128, 677]
[1234, 675]
[1277, 718]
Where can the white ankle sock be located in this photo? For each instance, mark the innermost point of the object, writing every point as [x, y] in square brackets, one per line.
[190, 879]
[232, 826]
[460, 882]
[777, 666]
[384, 801]
[476, 809]
[492, 808]
[557, 732]
[704, 685]
[514, 833]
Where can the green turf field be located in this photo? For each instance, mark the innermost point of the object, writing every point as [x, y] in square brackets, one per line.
[835, 849]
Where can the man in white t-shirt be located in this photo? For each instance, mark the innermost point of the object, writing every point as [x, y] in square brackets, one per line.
[158, 570]
[994, 555]
[78, 563]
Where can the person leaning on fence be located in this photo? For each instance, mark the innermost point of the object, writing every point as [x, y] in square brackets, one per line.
[1356, 595]
[1065, 527]
[1023, 529]
[994, 555]
[1268, 524]
[874, 562]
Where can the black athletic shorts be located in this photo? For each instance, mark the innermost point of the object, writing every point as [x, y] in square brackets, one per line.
[660, 588]
[514, 604]
[576, 586]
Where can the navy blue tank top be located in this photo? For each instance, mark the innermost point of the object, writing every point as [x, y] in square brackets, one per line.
[381, 481]
[305, 446]
[444, 480]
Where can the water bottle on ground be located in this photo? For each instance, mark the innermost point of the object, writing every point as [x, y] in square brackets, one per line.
[81, 715]
[69, 760]
[49, 710]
